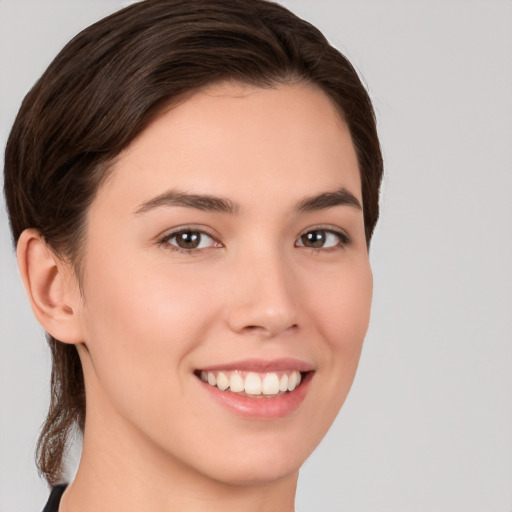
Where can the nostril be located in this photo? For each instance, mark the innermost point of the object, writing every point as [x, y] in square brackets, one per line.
[268, 331]
[255, 329]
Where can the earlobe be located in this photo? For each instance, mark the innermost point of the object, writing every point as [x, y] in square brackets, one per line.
[51, 287]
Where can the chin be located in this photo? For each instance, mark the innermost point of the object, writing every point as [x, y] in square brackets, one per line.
[256, 473]
[261, 462]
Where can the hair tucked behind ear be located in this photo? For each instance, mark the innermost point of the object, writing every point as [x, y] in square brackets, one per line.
[108, 84]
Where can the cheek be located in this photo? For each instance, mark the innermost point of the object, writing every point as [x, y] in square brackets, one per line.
[343, 308]
[140, 324]
[342, 315]
[143, 325]
[141, 300]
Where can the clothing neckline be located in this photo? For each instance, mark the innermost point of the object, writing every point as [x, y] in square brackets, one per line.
[54, 500]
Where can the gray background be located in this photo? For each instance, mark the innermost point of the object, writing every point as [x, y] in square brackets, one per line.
[428, 424]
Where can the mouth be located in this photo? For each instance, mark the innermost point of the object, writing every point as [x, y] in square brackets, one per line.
[253, 384]
[258, 389]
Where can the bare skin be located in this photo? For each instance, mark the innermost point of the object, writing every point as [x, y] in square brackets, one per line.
[280, 271]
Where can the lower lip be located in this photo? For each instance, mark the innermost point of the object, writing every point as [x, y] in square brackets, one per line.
[261, 408]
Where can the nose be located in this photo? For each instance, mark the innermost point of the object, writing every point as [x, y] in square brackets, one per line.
[264, 299]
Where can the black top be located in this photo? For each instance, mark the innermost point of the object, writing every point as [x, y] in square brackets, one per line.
[54, 500]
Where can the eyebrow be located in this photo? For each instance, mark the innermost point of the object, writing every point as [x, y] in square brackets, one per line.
[205, 202]
[340, 197]
[198, 201]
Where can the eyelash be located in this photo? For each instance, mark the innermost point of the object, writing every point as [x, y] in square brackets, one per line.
[343, 239]
[164, 241]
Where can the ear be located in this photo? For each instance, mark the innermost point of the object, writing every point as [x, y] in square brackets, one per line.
[51, 287]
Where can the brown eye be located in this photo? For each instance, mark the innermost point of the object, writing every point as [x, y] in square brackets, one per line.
[315, 239]
[189, 240]
[322, 239]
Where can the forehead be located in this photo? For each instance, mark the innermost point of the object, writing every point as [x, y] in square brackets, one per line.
[235, 140]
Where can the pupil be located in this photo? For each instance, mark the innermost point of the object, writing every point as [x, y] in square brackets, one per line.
[314, 239]
[188, 239]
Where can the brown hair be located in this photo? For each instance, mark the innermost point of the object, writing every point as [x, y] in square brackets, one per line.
[108, 84]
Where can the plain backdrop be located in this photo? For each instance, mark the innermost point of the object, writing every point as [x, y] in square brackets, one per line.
[428, 424]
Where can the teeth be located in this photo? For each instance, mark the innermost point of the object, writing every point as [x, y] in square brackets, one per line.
[293, 381]
[212, 380]
[270, 384]
[222, 381]
[252, 383]
[236, 383]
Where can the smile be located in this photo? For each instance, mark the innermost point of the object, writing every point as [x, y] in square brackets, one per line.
[253, 384]
[258, 389]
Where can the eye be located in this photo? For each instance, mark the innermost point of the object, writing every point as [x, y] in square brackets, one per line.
[189, 240]
[322, 239]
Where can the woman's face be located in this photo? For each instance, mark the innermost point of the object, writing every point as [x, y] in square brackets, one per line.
[227, 245]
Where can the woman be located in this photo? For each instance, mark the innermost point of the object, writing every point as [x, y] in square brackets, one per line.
[192, 189]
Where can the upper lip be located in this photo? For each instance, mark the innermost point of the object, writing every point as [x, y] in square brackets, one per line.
[262, 365]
